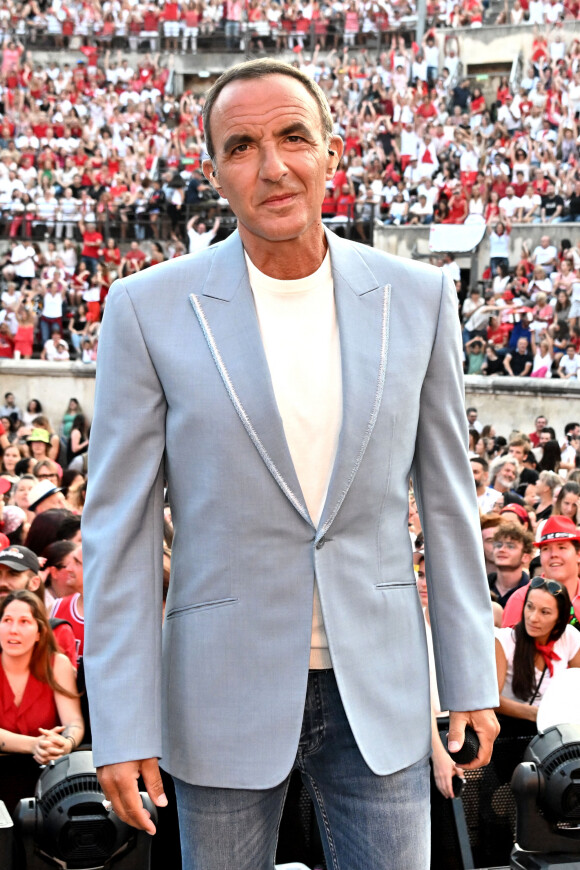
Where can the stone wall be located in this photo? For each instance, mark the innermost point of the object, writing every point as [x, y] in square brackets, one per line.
[53, 384]
[404, 241]
[514, 403]
[508, 403]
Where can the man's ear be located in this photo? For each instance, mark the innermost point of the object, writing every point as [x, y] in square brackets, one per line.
[335, 152]
[34, 583]
[211, 174]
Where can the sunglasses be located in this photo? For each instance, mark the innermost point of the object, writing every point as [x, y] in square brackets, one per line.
[553, 587]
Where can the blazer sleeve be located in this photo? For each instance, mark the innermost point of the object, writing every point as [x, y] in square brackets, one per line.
[122, 530]
[459, 599]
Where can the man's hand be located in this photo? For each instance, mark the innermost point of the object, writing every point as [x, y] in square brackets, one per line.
[119, 783]
[485, 725]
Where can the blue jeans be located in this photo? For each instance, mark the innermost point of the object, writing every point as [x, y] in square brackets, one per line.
[366, 821]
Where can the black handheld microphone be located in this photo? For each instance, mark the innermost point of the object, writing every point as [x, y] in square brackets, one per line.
[469, 749]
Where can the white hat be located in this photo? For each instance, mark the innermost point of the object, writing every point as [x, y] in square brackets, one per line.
[40, 491]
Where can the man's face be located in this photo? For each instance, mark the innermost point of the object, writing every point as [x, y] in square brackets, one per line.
[507, 475]
[487, 538]
[517, 451]
[540, 423]
[560, 561]
[507, 553]
[545, 240]
[480, 475]
[543, 438]
[13, 581]
[56, 500]
[272, 159]
[522, 345]
[471, 416]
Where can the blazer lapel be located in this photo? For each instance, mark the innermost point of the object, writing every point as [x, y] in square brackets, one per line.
[362, 306]
[226, 313]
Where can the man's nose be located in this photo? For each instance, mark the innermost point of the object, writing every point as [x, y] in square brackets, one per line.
[272, 166]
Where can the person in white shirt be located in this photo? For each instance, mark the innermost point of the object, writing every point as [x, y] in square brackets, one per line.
[510, 206]
[55, 349]
[531, 203]
[23, 260]
[199, 237]
[569, 364]
[545, 254]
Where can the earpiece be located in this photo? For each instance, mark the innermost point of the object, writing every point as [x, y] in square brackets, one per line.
[331, 152]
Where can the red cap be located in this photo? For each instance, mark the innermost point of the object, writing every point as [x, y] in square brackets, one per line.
[519, 510]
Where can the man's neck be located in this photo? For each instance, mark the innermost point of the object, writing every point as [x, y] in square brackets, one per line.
[286, 260]
[507, 579]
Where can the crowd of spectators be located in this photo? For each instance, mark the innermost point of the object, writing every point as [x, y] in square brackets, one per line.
[239, 24]
[524, 321]
[100, 174]
[523, 482]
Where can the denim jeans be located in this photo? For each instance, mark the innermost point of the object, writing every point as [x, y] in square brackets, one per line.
[367, 822]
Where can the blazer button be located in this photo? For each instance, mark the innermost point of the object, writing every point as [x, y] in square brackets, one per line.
[320, 544]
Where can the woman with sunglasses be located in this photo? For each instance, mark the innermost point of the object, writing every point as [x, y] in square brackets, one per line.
[532, 653]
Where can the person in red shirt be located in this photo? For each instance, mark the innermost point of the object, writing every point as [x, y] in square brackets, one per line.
[540, 423]
[560, 559]
[92, 246]
[6, 342]
[170, 17]
[457, 208]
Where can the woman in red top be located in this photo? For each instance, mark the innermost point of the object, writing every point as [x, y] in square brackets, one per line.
[40, 711]
[492, 207]
[503, 92]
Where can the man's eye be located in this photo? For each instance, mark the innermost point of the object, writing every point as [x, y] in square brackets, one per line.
[295, 138]
[239, 149]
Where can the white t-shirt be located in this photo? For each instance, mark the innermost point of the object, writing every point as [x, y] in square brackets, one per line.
[541, 255]
[566, 647]
[301, 341]
[570, 366]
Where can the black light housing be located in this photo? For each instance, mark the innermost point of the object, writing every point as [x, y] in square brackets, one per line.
[66, 825]
[546, 787]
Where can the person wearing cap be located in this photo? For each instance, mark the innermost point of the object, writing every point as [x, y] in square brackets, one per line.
[512, 550]
[20, 569]
[39, 442]
[559, 545]
[45, 495]
[517, 513]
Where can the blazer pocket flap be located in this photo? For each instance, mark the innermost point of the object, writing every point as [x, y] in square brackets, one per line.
[203, 605]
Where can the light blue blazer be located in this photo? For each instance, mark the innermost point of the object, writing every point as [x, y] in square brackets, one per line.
[184, 394]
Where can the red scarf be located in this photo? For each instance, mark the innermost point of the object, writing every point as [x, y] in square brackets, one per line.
[548, 654]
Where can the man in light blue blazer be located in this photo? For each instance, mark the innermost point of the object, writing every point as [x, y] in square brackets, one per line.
[285, 385]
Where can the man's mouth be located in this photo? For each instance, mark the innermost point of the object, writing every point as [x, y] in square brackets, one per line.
[279, 199]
